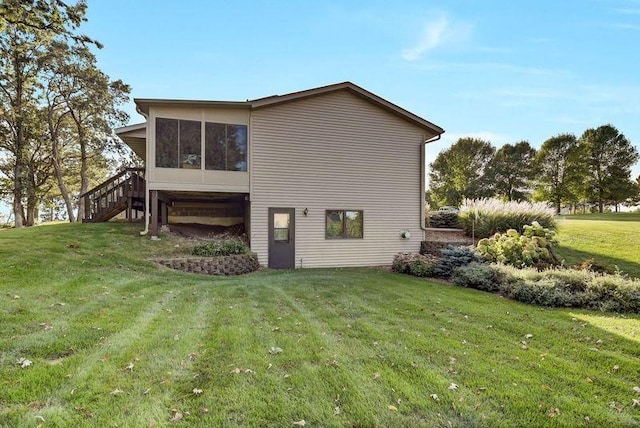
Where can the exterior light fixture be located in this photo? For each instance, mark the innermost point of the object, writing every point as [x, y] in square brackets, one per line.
[306, 212]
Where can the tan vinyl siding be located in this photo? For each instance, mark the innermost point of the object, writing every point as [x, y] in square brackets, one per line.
[336, 151]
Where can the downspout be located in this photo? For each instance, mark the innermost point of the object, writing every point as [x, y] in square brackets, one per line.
[423, 184]
[147, 213]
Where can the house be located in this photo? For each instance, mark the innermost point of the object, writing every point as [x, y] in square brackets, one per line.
[326, 177]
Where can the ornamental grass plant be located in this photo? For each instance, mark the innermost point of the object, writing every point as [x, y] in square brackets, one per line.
[482, 218]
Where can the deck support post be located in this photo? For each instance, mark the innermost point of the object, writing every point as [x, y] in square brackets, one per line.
[154, 214]
[129, 208]
[164, 213]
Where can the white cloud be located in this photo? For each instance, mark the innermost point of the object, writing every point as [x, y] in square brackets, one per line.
[432, 36]
[626, 26]
[531, 93]
[622, 11]
[493, 67]
[436, 33]
[541, 40]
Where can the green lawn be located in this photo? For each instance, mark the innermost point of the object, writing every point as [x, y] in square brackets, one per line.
[612, 238]
[115, 340]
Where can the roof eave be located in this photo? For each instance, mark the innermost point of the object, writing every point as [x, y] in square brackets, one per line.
[143, 104]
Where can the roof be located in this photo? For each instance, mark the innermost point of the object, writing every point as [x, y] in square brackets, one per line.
[135, 136]
[130, 134]
[143, 104]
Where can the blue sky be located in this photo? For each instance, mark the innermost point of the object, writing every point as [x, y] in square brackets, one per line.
[504, 71]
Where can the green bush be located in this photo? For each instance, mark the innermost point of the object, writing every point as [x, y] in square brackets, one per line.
[532, 248]
[421, 265]
[453, 257]
[483, 218]
[443, 219]
[476, 275]
[569, 288]
[220, 248]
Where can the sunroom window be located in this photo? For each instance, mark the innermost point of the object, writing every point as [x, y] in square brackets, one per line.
[225, 147]
[178, 143]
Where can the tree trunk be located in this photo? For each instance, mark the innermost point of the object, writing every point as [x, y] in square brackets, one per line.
[84, 180]
[32, 208]
[17, 194]
[64, 191]
[18, 168]
[61, 184]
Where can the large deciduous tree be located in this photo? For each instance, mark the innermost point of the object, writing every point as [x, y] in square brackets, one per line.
[559, 170]
[54, 17]
[56, 107]
[609, 156]
[510, 171]
[20, 51]
[459, 172]
[89, 100]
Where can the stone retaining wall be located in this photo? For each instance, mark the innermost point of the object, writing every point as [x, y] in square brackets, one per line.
[222, 265]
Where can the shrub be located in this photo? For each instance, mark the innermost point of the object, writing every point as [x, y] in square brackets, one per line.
[414, 264]
[532, 248]
[453, 257]
[594, 266]
[485, 217]
[569, 288]
[476, 275]
[220, 248]
[443, 219]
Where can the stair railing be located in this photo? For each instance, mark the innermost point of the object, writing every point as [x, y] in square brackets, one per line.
[128, 183]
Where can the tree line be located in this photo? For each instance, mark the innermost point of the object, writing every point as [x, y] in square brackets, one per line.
[593, 170]
[57, 109]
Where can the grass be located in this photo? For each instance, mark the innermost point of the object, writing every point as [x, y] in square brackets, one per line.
[612, 238]
[115, 340]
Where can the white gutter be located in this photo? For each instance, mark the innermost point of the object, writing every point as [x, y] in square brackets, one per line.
[147, 213]
[423, 184]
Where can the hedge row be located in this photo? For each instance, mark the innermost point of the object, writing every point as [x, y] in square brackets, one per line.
[554, 287]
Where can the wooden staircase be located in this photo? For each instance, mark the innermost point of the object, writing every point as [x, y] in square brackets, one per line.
[124, 191]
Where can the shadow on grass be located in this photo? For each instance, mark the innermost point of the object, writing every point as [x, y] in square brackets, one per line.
[603, 217]
[572, 257]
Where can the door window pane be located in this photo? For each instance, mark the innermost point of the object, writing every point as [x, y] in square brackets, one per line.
[281, 227]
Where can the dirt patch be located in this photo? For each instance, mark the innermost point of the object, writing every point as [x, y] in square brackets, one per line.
[207, 232]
